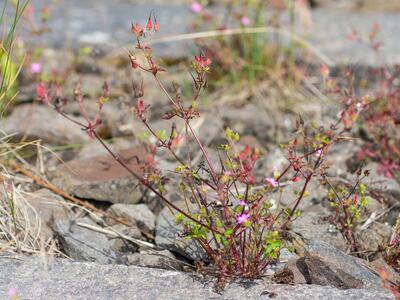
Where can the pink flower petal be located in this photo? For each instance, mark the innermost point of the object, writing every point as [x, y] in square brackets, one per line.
[196, 7]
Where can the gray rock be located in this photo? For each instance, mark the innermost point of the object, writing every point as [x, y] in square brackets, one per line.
[138, 214]
[84, 244]
[101, 178]
[121, 246]
[168, 236]
[155, 259]
[45, 207]
[93, 148]
[289, 194]
[32, 122]
[311, 225]
[249, 120]
[373, 237]
[131, 231]
[380, 182]
[341, 265]
[64, 279]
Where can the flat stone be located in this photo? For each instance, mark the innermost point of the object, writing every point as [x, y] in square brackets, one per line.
[311, 225]
[101, 178]
[138, 214]
[64, 279]
[82, 243]
[31, 121]
[154, 259]
[340, 268]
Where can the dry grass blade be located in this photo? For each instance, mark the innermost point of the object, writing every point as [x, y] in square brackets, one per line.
[20, 224]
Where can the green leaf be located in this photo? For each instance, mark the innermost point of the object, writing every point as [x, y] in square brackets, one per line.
[228, 232]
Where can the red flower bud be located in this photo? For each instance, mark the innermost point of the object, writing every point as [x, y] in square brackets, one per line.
[156, 25]
[140, 109]
[42, 93]
[149, 24]
[137, 30]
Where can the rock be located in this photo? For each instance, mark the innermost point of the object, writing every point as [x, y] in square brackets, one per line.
[379, 182]
[380, 264]
[64, 279]
[375, 236]
[36, 125]
[121, 246]
[312, 225]
[316, 271]
[341, 158]
[274, 157]
[289, 194]
[93, 148]
[155, 259]
[46, 207]
[324, 264]
[167, 236]
[101, 178]
[82, 243]
[248, 120]
[131, 231]
[138, 214]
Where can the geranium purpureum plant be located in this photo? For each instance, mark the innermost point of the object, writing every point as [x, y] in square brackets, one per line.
[228, 211]
[377, 112]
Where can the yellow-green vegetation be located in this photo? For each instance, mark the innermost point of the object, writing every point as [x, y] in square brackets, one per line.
[9, 65]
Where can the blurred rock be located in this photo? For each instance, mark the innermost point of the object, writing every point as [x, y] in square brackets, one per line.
[94, 148]
[47, 207]
[138, 214]
[288, 195]
[32, 121]
[82, 243]
[326, 265]
[248, 120]
[380, 182]
[101, 178]
[64, 279]
[154, 259]
[312, 225]
[372, 238]
[121, 246]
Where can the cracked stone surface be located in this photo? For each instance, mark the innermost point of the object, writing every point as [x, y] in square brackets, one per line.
[63, 279]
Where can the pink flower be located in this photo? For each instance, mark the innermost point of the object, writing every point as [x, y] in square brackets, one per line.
[272, 181]
[319, 152]
[196, 7]
[35, 68]
[228, 173]
[12, 292]
[243, 218]
[242, 203]
[245, 21]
